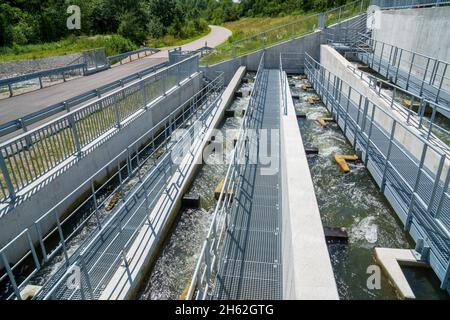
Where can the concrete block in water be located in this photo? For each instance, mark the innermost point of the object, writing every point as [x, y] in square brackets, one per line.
[229, 113]
[29, 292]
[335, 234]
[243, 93]
[311, 150]
[191, 200]
[390, 261]
[301, 115]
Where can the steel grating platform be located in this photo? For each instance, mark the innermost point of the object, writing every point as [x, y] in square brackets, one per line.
[250, 266]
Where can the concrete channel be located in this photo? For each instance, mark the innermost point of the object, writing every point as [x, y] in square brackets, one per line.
[354, 202]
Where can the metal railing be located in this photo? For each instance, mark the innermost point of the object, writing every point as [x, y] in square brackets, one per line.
[403, 4]
[411, 172]
[144, 158]
[95, 60]
[139, 209]
[120, 57]
[27, 157]
[349, 34]
[67, 105]
[413, 71]
[304, 25]
[415, 118]
[64, 72]
[208, 260]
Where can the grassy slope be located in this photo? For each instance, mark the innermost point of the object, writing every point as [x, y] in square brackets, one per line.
[246, 27]
[170, 41]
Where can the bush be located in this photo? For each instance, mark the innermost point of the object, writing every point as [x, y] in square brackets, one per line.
[117, 44]
[130, 28]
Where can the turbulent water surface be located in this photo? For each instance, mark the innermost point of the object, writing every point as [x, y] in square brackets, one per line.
[352, 201]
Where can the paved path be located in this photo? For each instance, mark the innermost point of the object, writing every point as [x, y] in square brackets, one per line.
[19, 106]
[218, 35]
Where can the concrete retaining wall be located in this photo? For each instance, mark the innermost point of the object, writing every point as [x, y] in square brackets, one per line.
[62, 184]
[424, 30]
[307, 271]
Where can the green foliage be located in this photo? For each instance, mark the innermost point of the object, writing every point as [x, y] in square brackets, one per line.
[27, 22]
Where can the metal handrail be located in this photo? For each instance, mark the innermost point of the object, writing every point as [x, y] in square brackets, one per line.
[152, 141]
[210, 252]
[189, 138]
[27, 157]
[426, 207]
[65, 106]
[435, 71]
[122, 56]
[376, 84]
[9, 82]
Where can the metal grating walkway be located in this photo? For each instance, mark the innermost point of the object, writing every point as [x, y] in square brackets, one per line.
[250, 266]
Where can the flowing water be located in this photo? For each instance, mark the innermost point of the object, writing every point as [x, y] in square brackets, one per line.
[174, 267]
[352, 201]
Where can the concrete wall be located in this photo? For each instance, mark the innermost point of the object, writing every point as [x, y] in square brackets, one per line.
[63, 183]
[307, 271]
[424, 30]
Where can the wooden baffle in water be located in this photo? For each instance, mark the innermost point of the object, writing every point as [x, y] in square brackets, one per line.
[324, 121]
[342, 161]
[313, 100]
[219, 190]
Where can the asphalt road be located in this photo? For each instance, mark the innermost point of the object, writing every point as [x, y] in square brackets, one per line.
[21, 105]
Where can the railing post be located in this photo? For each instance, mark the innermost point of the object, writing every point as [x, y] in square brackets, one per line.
[117, 111]
[87, 277]
[416, 185]
[369, 136]
[11, 276]
[383, 180]
[7, 177]
[440, 84]
[444, 192]
[321, 22]
[410, 70]
[75, 135]
[11, 93]
[436, 183]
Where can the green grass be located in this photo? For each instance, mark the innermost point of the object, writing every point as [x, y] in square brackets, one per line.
[247, 32]
[113, 44]
[171, 41]
[250, 29]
